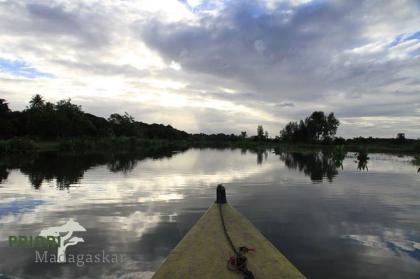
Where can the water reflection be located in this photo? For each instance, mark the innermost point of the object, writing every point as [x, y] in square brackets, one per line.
[317, 165]
[396, 241]
[261, 156]
[416, 162]
[338, 156]
[68, 169]
[141, 207]
[123, 163]
[65, 170]
[362, 159]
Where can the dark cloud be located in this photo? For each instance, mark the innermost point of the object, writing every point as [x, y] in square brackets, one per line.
[82, 26]
[104, 69]
[285, 104]
[399, 108]
[263, 50]
[297, 55]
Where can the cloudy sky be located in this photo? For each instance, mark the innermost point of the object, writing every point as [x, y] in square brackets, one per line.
[219, 66]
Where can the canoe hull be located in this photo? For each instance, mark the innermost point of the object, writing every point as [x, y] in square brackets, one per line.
[204, 251]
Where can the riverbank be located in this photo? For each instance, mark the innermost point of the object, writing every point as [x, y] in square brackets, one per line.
[411, 148]
[404, 149]
[82, 145]
[23, 146]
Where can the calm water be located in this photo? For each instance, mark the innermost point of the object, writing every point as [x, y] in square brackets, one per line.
[331, 219]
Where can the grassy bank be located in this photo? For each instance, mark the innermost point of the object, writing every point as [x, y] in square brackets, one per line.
[23, 146]
[17, 146]
[82, 145]
[409, 149]
[118, 143]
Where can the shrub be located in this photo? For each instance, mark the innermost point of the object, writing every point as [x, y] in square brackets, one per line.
[17, 146]
[416, 147]
[77, 145]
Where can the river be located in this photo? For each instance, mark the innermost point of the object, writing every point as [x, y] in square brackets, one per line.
[331, 217]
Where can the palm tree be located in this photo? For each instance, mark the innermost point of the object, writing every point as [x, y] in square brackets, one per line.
[36, 102]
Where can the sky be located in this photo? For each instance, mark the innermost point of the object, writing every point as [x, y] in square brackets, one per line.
[219, 66]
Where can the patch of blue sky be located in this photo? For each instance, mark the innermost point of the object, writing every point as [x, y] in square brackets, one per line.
[415, 35]
[19, 206]
[206, 5]
[21, 68]
[404, 37]
[255, 9]
[307, 6]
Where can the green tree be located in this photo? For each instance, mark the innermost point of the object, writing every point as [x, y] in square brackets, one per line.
[4, 107]
[38, 120]
[123, 125]
[315, 128]
[260, 132]
[36, 102]
[315, 124]
[331, 126]
[72, 121]
[401, 138]
[291, 132]
[7, 129]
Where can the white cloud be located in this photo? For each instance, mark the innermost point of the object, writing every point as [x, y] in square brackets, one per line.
[175, 66]
[390, 240]
[370, 48]
[273, 4]
[404, 49]
[195, 3]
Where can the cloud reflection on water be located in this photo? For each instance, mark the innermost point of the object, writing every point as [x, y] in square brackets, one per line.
[143, 210]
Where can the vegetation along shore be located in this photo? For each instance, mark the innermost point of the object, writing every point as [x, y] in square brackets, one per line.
[65, 127]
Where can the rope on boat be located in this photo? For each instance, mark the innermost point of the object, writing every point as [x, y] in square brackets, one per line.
[226, 232]
[237, 263]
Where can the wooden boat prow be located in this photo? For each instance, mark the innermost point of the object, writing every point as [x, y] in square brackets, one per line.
[204, 251]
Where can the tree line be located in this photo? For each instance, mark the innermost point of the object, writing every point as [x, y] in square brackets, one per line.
[48, 121]
[43, 120]
[318, 127]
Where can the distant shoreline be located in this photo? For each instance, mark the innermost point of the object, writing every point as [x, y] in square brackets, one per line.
[112, 144]
[65, 127]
